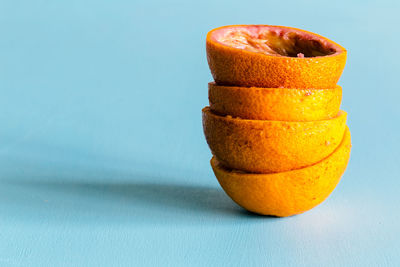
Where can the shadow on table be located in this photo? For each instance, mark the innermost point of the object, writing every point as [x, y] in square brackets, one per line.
[45, 182]
[136, 201]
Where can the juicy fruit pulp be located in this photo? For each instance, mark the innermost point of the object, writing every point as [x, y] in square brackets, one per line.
[275, 41]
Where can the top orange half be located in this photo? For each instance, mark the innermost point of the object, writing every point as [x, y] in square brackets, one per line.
[273, 56]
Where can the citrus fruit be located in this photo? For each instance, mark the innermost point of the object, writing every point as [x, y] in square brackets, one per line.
[285, 193]
[262, 146]
[273, 56]
[284, 104]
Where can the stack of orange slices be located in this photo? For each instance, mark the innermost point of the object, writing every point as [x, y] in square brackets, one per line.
[279, 140]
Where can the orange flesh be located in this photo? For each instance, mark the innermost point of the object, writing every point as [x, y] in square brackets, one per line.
[275, 41]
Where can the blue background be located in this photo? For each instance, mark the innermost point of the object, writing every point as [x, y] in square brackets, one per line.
[102, 156]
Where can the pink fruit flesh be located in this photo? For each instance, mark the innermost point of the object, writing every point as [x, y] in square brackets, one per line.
[275, 40]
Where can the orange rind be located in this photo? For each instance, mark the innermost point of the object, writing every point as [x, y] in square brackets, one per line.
[261, 146]
[285, 193]
[273, 56]
[284, 104]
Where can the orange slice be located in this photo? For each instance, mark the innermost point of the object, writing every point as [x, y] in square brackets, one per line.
[261, 146]
[285, 193]
[275, 103]
[273, 56]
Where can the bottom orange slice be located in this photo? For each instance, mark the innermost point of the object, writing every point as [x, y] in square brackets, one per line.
[285, 193]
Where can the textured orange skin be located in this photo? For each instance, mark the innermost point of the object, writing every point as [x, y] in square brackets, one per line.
[282, 104]
[286, 193]
[260, 146]
[238, 67]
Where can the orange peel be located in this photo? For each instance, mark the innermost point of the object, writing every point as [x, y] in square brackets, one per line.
[261, 146]
[285, 193]
[273, 56]
[285, 104]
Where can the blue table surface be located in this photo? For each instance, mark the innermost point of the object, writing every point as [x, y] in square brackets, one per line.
[103, 161]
